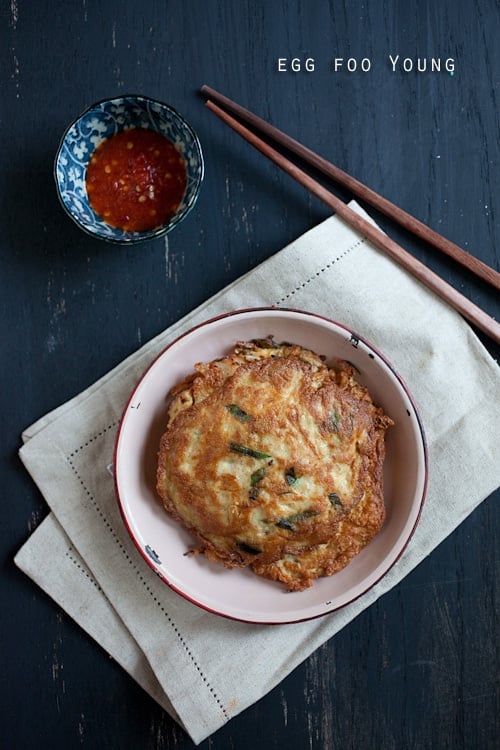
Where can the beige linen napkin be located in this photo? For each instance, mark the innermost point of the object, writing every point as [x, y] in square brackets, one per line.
[205, 669]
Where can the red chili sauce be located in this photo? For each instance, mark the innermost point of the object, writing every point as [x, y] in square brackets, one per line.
[136, 179]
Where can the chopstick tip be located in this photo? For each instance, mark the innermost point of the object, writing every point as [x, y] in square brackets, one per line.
[205, 90]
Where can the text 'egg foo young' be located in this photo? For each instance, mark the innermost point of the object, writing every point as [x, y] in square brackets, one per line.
[274, 460]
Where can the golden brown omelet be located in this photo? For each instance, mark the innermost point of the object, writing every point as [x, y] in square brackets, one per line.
[274, 460]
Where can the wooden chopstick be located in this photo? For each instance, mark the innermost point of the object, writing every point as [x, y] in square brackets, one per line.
[406, 220]
[465, 307]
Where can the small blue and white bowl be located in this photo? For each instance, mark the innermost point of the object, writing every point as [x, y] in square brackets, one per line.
[102, 120]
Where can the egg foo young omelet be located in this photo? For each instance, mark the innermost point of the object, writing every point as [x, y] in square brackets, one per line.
[274, 460]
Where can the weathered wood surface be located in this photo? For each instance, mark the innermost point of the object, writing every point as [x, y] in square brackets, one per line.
[419, 669]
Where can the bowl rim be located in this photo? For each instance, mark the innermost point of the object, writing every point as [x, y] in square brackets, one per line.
[424, 446]
[138, 237]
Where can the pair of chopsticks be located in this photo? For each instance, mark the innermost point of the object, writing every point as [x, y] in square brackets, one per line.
[465, 307]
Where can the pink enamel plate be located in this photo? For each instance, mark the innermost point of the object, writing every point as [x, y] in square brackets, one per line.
[240, 594]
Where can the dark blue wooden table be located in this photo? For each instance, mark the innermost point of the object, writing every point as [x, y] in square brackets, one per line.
[420, 668]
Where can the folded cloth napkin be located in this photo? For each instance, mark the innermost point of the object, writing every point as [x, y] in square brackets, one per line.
[200, 667]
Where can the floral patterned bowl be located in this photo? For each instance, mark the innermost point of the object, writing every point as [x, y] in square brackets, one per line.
[102, 120]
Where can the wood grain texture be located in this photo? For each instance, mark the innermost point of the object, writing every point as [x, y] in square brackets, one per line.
[311, 159]
[419, 270]
[419, 669]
